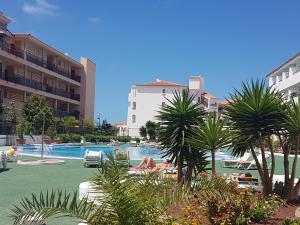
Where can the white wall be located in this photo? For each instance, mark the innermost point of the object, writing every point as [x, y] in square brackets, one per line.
[148, 101]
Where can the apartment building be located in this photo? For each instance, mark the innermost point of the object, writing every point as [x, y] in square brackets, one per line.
[146, 100]
[286, 78]
[28, 66]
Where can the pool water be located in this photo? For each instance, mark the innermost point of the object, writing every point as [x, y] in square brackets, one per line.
[75, 151]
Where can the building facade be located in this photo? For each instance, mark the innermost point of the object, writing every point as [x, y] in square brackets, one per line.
[286, 78]
[28, 67]
[145, 100]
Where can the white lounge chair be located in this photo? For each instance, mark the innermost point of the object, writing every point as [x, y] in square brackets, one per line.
[3, 160]
[231, 163]
[252, 164]
[93, 158]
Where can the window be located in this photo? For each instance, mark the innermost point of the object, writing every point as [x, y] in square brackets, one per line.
[134, 92]
[133, 105]
[280, 78]
[133, 118]
[163, 104]
[164, 91]
[199, 99]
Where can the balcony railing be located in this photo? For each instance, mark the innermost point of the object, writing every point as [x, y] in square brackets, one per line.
[38, 61]
[62, 113]
[12, 49]
[18, 79]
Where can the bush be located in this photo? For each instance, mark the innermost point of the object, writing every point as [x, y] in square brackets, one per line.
[262, 208]
[70, 138]
[103, 138]
[291, 221]
[97, 138]
[123, 138]
[221, 203]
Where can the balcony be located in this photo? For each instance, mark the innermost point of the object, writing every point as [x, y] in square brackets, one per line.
[37, 61]
[12, 49]
[61, 113]
[18, 79]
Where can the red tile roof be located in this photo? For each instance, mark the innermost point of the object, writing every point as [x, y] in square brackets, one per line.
[123, 123]
[225, 102]
[283, 64]
[208, 95]
[161, 83]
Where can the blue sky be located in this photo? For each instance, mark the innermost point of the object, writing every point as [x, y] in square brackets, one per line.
[136, 41]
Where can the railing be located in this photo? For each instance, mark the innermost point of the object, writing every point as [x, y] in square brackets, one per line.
[18, 79]
[62, 113]
[12, 49]
[38, 61]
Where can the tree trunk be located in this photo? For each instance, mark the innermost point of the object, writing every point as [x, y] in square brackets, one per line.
[267, 180]
[188, 176]
[290, 189]
[273, 157]
[267, 187]
[179, 167]
[213, 162]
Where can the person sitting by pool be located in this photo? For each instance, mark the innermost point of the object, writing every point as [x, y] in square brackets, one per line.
[12, 152]
[149, 163]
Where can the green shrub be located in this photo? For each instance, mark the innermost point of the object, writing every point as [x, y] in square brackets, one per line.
[233, 206]
[291, 221]
[97, 138]
[262, 208]
[70, 138]
[104, 138]
[123, 138]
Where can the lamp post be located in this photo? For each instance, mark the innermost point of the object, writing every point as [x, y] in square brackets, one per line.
[99, 125]
[43, 131]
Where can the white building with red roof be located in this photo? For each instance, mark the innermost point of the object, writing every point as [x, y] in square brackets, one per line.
[147, 98]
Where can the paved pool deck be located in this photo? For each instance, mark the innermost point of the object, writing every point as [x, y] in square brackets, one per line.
[22, 180]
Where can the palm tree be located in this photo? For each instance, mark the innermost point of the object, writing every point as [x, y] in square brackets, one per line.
[256, 112]
[290, 140]
[143, 132]
[211, 136]
[125, 200]
[176, 120]
[69, 122]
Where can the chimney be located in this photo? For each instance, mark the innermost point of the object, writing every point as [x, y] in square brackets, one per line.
[196, 83]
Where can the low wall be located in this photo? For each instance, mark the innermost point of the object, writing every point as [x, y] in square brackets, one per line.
[2, 140]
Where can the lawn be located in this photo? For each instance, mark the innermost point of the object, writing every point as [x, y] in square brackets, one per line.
[22, 180]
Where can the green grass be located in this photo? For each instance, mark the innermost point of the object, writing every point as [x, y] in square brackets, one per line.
[22, 180]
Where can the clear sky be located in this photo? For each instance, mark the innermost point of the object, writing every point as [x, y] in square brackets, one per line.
[136, 41]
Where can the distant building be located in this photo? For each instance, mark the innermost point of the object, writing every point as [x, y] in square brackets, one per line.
[286, 78]
[28, 66]
[122, 128]
[146, 99]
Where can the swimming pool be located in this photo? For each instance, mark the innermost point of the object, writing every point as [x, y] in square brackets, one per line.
[77, 152]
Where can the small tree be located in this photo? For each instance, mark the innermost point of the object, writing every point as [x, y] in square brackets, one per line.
[211, 136]
[36, 111]
[10, 116]
[68, 123]
[151, 128]
[89, 126]
[176, 121]
[143, 132]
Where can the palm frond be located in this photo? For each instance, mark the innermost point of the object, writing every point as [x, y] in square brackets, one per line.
[51, 203]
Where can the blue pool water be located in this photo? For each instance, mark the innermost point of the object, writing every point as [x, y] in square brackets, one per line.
[73, 151]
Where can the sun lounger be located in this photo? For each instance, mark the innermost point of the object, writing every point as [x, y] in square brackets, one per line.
[252, 164]
[137, 171]
[235, 162]
[122, 157]
[3, 160]
[93, 158]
